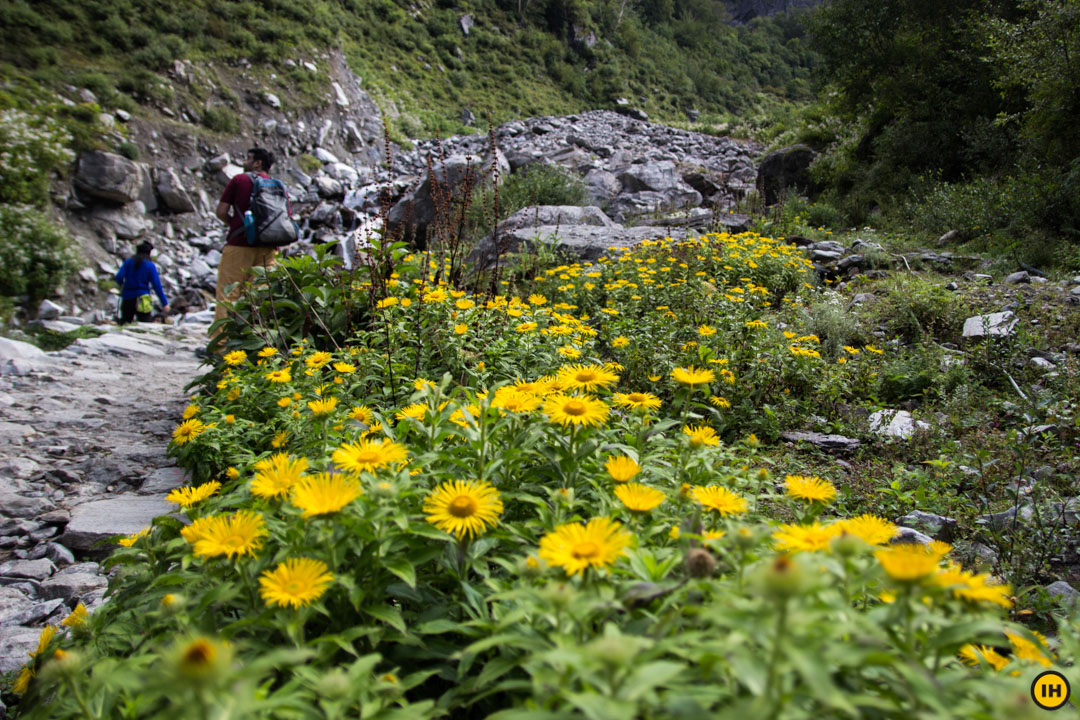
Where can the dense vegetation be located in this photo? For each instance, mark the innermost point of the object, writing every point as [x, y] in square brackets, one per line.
[959, 120]
[522, 58]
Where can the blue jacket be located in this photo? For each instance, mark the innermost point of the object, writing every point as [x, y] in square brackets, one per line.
[135, 283]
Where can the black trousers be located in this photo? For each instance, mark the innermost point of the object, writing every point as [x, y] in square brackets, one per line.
[128, 314]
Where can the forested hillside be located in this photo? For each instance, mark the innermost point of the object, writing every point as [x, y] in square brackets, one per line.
[499, 58]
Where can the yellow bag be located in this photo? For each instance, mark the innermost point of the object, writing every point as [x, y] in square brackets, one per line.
[145, 305]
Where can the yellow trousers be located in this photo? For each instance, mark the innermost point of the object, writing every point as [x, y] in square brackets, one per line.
[235, 267]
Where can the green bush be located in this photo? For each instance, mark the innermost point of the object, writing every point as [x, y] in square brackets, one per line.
[221, 119]
[34, 147]
[129, 150]
[35, 254]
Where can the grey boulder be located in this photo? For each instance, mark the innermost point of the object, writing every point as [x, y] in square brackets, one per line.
[107, 176]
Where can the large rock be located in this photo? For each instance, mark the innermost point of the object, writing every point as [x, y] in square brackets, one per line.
[15, 505]
[821, 440]
[1002, 323]
[895, 423]
[657, 176]
[16, 644]
[414, 214]
[584, 243]
[125, 223]
[118, 343]
[124, 514]
[172, 192]
[18, 350]
[74, 582]
[785, 168]
[107, 176]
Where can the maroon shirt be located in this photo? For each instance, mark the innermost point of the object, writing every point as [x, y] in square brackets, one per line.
[238, 194]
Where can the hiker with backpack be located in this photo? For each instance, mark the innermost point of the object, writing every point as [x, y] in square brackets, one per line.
[136, 277]
[256, 209]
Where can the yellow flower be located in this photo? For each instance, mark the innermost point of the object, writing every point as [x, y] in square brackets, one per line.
[537, 299]
[701, 436]
[526, 327]
[575, 410]
[188, 431]
[296, 582]
[188, 496]
[717, 401]
[317, 359]
[369, 455]
[238, 534]
[46, 636]
[232, 473]
[692, 376]
[586, 377]
[279, 376]
[810, 488]
[706, 330]
[435, 296]
[638, 497]
[620, 342]
[974, 655]
[322, 407]
[189, 412]
[416, 411]
[202, 659]
[22, 683]
[406, 302]
[230, 419]
[267, 352]
[720, 499]
[280, 438]
[386, 302]
[236, 357]
[569, 352]
[638, 401]
[810, 538]
[622, 468]
[275, 475]
[324, 493]
[362, 413]
[344, 368]
[464, 509]
[465, 304]
[907, 562]
[77, 617]
[869, 528]
[972, 587]
[461, 329]
[510, 399]
[757, 324]
[284, 402]
[575, 547]
[130, 540]
[1027, 650]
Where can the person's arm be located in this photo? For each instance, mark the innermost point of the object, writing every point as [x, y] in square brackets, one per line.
[121, 273]
[227, 200]
[222, 212]
[156, 281]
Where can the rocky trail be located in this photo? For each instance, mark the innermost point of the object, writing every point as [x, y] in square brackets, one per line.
[83, 438]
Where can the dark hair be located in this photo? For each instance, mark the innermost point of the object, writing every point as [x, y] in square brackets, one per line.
[263, 155]
[142, 252]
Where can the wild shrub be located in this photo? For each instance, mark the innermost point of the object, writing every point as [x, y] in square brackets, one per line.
[36, 254]
[221, 119]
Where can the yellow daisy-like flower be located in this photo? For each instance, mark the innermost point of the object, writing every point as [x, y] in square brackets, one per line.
[525, 327]
[279, 376]
[974, 655]
[236, 357]
[869, 528]
[637, 401]
[701, 436]
[130, 540]
[706, 330]
[972, 587]
[569, 410]
[22, 683]
[274, 476]
[907, 562]
[189, 412]
[344, 368]
[575, 547]
[416, 411]
[462, 416]
[622, 469]
[296, 582]
[386, 302]
[435, 296]
[232, 473]
[238, 534]
[281, 438]
[463, 509]
[362, 413]
[324, 493]
[319, 408]
[461, 329]
[465, 304]
[46, 636]
[810, 488]
[512, 400]
[187, 431]
[720, 499]
[1025, 649]
[586, 377]
[369, 455]
[77, 617]
[197, 529]
[692, 377]
[756, 324]
[284, 402]
[267, 352]
[187, 496]
[809, 538]
[638, 497]
[317, 359]
[569, 352]
[620, 342]
[537, 299]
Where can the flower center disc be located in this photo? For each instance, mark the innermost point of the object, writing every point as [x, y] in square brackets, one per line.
[635, 397]
[585, 550]
[574, 407]
[585, 376]
[462, 506]
[367, 456]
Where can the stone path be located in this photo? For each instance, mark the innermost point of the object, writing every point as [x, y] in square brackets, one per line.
[83, 436]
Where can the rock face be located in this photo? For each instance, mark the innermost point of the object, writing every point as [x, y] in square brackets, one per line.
[172, 192]
[107, 176]
[785, 168]
[895, 423]
[1002, 323]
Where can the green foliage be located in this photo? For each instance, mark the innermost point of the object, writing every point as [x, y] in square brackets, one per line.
[918, 307]
[34, 147]
[532, 185]
[50, 340]
[129, 150]
[221, 119]
[36, 255]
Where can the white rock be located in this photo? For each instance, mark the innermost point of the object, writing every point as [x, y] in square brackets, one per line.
[339, 95]
[16, 349]
[48, 310]
[325, 156]
[1002, 323]
[88, 275]
[272, 100]
[895, 423]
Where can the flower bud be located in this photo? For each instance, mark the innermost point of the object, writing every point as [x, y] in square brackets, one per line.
[700, 563]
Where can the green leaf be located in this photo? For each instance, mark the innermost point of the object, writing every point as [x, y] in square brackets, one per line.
[437, 627]
[402, 568]
[388, 614]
